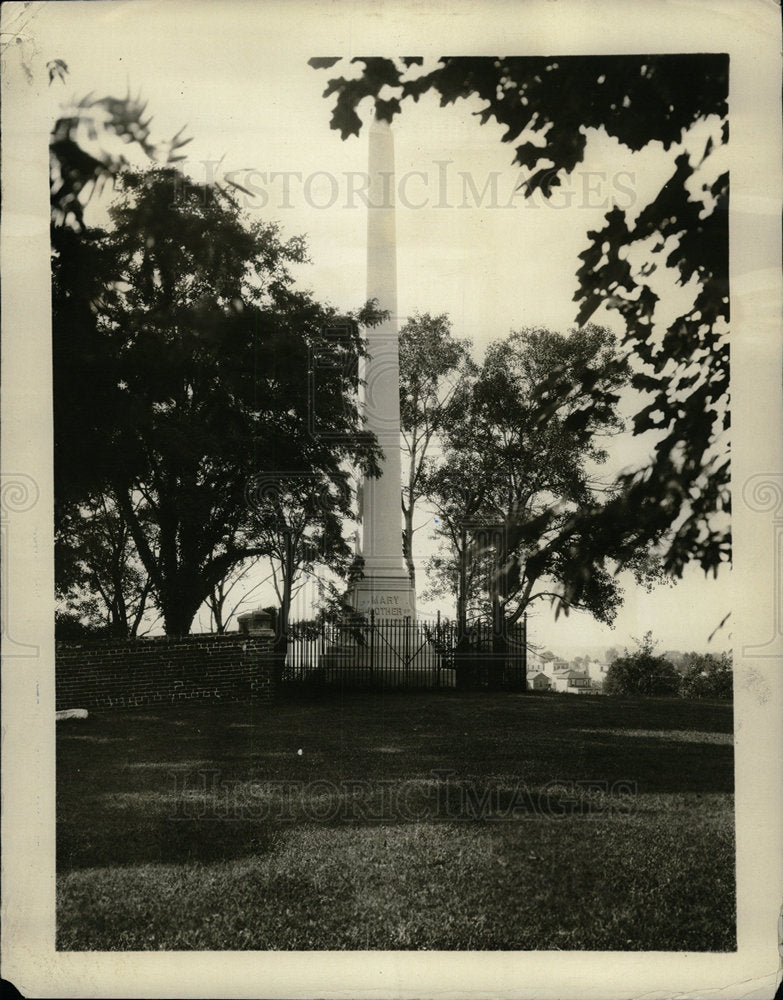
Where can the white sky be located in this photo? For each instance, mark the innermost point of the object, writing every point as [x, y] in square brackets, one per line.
[236, 77]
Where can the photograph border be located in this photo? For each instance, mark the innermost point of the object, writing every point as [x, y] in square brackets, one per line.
[750, 33]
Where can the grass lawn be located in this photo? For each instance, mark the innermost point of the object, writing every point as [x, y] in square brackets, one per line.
[443, 821]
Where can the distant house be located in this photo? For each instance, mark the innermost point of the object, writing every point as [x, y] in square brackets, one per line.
[578, 681]
[540, 682]
[573, 682]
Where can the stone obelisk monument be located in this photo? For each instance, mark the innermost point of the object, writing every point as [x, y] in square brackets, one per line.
[386, 587]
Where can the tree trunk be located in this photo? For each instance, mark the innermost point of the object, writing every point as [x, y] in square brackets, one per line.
[407, 531]
[462, 585]
[281, 632]
[179, 609]
[497, 661]
[407, 542]
[216, 603]
[140, 609]
[464, 656]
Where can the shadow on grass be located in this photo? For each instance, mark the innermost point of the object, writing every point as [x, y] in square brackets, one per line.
[104, 837]
[105, 840]
[457, 758]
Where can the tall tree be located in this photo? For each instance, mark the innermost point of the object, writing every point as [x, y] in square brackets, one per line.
[222, 606]
[549, 106]
[207, 358]
[456, 487]
[96, 565]
[298, 521]
[431, 362]
[508, 484]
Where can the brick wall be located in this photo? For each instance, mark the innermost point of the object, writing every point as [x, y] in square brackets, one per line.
[162, 670]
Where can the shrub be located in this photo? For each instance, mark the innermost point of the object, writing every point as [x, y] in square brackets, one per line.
[642, 672]
[706, 675]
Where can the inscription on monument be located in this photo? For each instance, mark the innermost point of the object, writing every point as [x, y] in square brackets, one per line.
[385, 605]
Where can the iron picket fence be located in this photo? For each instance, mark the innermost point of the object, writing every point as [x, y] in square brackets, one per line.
[405, 654]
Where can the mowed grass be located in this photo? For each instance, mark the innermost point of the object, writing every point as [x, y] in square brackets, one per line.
[430, 821]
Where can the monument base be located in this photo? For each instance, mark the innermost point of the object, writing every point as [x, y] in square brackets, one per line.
[384, 645]
[389, 596]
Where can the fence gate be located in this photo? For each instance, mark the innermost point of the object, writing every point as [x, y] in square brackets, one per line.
[387, 653]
